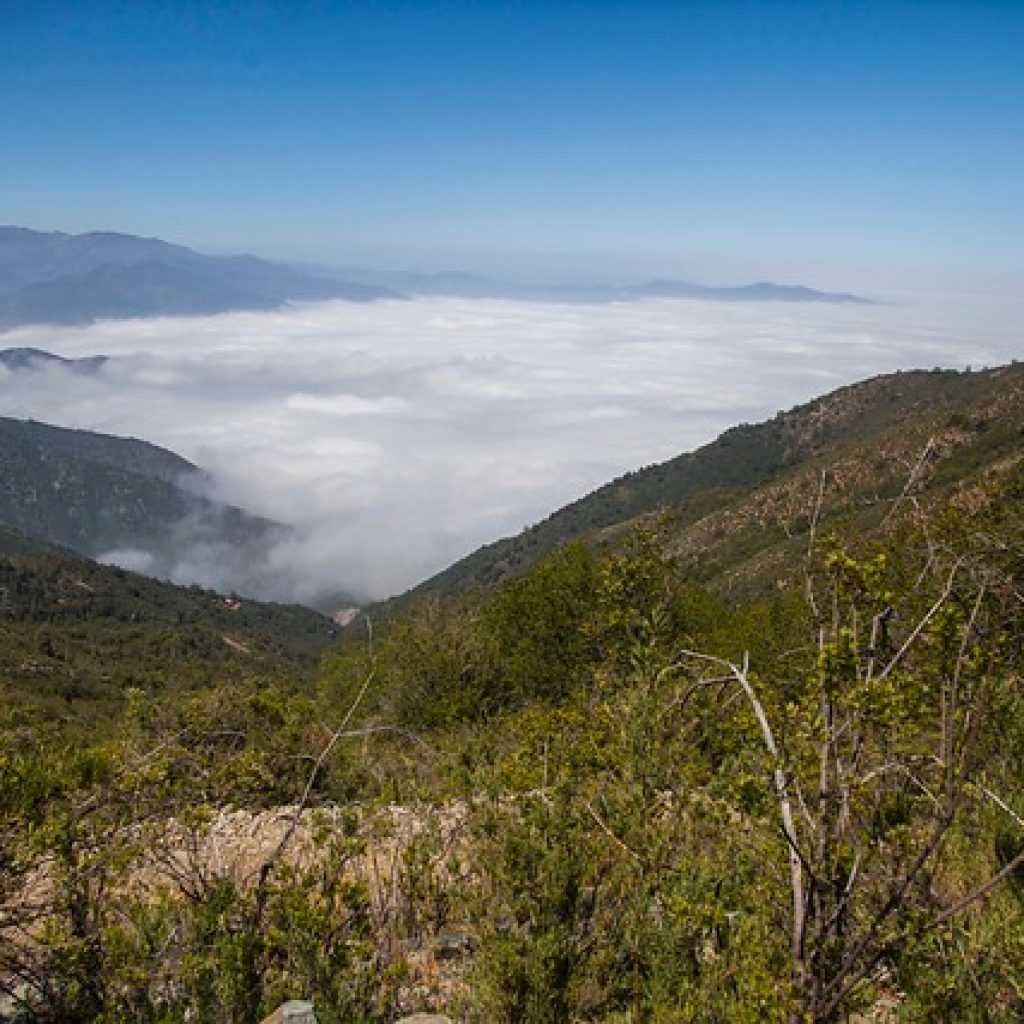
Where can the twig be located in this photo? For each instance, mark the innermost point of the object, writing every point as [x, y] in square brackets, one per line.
[911, 480]
[977, 894]
[928, 616]
[796, 859]
[610, 834]
[300, 808]
[812, 534]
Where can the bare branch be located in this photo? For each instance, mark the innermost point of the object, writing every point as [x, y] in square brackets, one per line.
[928, 616]
[293, 824]
[812, 534]
[610, 834]
[976, 894]
[1000, 803]
[911, 480]
[949, 709]
[849, 976]
[796, 859]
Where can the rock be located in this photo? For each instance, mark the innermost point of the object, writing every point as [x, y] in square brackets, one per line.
[295, 1011]
[426, 1018]
[453, 945]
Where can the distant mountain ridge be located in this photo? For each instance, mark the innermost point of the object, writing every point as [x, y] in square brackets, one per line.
[74, 280]
[458, 284]
[19, 360]
[58, 278]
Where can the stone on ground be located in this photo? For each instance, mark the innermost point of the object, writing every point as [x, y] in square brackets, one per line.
[295, 1011]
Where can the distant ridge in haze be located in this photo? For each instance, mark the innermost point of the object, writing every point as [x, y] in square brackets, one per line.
[57, 278]
[73, 280]
[19, 360]
[457, 284]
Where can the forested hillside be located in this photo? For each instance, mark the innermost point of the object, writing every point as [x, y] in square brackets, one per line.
[75, 636]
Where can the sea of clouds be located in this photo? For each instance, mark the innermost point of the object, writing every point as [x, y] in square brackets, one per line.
[397, 436]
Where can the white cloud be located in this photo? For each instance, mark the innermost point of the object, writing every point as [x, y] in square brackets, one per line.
[399, 436]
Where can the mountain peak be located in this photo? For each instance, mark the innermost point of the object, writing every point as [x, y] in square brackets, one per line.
[59, 278]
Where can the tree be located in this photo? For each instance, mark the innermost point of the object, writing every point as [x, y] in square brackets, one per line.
[874, 756]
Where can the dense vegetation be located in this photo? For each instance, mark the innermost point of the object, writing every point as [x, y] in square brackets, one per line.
[600, 791]
[75, 635]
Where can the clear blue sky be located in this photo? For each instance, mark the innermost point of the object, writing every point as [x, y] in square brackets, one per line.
[837, 143]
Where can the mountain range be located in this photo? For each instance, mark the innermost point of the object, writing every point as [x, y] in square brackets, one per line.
[457, 284]
[58, 278]
[21, 359]
[68, 279]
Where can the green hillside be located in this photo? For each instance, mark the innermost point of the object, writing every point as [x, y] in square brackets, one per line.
[75, 635]
[95, 493]
[742, 504]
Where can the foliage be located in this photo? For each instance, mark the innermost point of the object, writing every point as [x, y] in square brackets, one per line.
[76, 635]
[642, 802]
[111, 913]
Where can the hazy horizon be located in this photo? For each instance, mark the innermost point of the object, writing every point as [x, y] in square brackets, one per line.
[845, 146]
[563, 268]
[554, 268]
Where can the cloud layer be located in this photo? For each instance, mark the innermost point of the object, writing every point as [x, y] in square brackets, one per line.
[398, 436]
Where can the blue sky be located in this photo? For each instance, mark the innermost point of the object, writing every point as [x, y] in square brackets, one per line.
[841, 144]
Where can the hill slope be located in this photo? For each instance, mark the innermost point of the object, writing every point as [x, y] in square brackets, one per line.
[76, 634]
[742, 504]
[57, 278]
[95, 493]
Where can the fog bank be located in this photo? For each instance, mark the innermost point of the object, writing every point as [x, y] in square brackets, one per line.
[397, 436]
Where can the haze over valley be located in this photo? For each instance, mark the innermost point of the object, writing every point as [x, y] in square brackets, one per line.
[398, 435]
